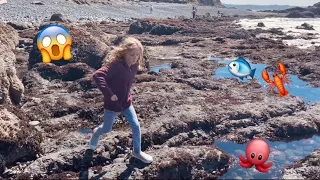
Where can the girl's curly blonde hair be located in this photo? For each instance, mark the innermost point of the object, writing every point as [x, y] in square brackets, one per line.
[127, 44]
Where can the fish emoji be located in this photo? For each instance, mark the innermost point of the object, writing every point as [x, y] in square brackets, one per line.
[241, 68]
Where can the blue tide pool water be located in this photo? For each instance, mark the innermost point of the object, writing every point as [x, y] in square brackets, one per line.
[297, 87]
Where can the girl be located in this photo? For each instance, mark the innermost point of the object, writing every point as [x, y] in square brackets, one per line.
[114, 81]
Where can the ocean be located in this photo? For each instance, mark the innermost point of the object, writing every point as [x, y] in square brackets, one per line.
[258, 7]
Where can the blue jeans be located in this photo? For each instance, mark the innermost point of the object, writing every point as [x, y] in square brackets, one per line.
[109, 118]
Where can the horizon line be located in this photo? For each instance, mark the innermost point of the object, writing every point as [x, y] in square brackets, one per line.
[265, 5]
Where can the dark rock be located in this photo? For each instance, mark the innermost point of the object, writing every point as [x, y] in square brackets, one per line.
[86, 48]
[288, 37]
[307, 14]
[317, 4]
[58, 17]
[69, 72]
[21, 46]
[195, 40]
[294, 14]
[163, 30]
[37, 2]
[170, 42]
[140, 27]
[260, 24]
[240, 34]
[305, 71]
[83, 84]
[298, 14]
[215, 3]
[305, 26]
[19, 25]
[276, 31]
[220, 39]
[25, 41]
[1, 97]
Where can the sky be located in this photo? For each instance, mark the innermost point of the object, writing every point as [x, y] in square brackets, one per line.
[273, 2]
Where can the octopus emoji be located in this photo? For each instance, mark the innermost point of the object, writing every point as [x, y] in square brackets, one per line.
[54, 43]
[257, 153]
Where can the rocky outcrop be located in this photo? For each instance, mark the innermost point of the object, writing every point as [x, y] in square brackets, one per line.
[261, 24]
[88, 2]
[87, 46]
[169, 162]
[19, 25]
[308, 168]
[140, 27]
[215, 3]
[17, 139]
[240, 34]
[182, 111]
[90, 45]
[305, 26]
[58, 17]
[299, 12]
[11, 87]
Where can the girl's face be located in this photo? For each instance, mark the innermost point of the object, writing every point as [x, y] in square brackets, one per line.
[131, 56]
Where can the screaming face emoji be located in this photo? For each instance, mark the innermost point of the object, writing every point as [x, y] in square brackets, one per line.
[54, 43]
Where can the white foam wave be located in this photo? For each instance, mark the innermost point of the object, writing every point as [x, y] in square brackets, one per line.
[288, 26]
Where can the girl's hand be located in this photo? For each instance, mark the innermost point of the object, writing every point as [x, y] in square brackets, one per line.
[114, 98]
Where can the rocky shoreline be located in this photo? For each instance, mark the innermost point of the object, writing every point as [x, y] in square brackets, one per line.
[182, 111]
[35, 14]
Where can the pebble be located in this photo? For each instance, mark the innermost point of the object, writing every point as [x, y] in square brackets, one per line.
[68, 175]
[118, 160]
[34, 123]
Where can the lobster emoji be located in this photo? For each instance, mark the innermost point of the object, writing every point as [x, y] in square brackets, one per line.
[278, 81]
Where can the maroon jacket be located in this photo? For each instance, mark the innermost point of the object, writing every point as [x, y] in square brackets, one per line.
[117, 78]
